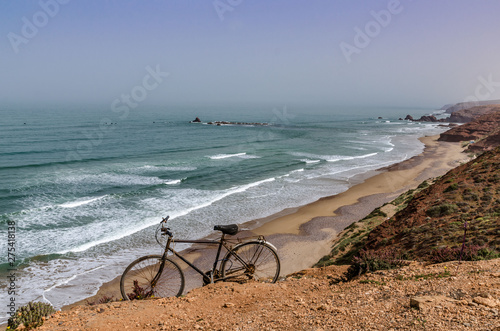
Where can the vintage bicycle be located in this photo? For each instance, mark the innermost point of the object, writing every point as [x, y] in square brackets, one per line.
[159, 276]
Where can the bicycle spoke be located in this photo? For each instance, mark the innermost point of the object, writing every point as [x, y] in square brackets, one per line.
[144, 278]
[254, 261]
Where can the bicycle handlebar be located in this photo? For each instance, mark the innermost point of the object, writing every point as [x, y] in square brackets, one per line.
[164, 230]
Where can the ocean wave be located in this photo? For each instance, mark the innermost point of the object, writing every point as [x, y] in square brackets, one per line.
[308, 161]
[109, 179]
[188, 202]
[78, 203]
[125, 232]
[174, 181]
[333, 158]
[343, 158]
[225, 156]
[167, 168]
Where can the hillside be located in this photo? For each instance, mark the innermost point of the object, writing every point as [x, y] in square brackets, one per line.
[434, 218]
[427, 224]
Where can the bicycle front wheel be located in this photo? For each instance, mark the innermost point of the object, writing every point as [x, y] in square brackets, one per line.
[251, 261]
[151, 277]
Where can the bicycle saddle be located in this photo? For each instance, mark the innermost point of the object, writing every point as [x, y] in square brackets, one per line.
[230, 229]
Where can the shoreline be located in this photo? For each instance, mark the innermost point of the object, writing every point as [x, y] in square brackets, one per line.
[304, 234]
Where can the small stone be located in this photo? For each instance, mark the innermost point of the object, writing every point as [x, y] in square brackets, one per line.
[228, 305]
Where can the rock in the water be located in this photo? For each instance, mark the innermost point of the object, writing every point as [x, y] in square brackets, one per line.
[196, 120]
[409, 118]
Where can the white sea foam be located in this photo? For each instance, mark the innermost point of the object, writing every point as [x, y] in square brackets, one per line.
[239, 155]
[80, 202]
[174, 181]
[204, 201]
[336, 158]
[166, 168]
[225, 156]
[332, 158]
[308, 161]
[66, 281]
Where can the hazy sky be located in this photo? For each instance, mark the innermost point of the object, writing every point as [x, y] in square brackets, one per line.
[328, 52]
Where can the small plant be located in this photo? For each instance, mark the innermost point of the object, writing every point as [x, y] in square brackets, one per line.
[451, 188]
[30, 315]
[139, 293]
[104, 299]
[369, 261]
[442, 210]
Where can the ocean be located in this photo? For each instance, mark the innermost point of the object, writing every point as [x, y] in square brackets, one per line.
[82, 190]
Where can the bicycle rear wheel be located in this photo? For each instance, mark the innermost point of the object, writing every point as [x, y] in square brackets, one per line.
[150, 277]
[259, 262]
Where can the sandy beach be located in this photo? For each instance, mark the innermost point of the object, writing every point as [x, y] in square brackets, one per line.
[304, 234]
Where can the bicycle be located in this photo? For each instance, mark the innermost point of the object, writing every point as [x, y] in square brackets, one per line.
[159, 276]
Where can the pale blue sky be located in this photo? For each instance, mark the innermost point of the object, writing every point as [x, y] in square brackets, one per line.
[274, 52]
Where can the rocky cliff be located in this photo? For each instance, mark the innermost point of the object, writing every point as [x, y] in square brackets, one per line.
[484, 131]
[469, 114]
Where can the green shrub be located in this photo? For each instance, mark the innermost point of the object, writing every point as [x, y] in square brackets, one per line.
[30, 315]
[375, 213]
[451, 188]
[423, 185]
[442, 210]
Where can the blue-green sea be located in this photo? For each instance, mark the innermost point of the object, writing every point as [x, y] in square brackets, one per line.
[85, 187]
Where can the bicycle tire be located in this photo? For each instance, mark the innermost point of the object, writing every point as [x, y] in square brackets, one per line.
[261, 258]
[144, 270]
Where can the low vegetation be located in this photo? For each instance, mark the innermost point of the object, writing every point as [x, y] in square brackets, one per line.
[457, 217]
[30, 316]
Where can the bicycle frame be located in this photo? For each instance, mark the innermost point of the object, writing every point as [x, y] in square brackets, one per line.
[221, 243]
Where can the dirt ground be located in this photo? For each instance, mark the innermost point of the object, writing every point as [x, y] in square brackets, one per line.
[443, 296]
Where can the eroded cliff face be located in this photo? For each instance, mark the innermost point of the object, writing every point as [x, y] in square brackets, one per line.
[484, 131]
[470, 114]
